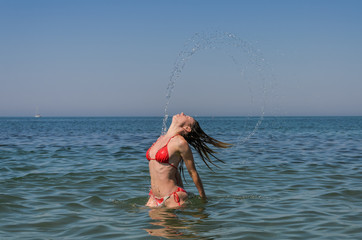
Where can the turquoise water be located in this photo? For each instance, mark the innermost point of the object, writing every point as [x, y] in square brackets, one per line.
[87, 178]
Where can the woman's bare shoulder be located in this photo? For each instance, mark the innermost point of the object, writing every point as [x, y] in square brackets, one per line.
[181, 143]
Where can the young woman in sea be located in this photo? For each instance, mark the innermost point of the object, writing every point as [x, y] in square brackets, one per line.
[169, 151]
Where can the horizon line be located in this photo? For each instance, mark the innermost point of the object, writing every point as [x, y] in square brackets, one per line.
[196, 116]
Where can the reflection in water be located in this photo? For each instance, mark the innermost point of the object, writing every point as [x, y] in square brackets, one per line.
[176, 223]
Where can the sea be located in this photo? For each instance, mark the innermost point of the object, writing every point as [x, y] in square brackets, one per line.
[88, 178]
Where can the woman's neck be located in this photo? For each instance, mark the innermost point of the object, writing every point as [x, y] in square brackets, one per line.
[173, 130]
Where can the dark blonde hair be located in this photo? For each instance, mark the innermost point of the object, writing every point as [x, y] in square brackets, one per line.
[199, 140]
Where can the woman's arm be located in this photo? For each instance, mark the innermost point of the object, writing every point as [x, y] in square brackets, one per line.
[188, 158]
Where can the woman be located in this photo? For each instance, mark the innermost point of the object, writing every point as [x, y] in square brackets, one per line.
[168, 151]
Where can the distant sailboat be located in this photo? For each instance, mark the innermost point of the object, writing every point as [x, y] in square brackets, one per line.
[37, 114]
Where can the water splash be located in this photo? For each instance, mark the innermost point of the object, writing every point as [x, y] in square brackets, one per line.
[222, 41]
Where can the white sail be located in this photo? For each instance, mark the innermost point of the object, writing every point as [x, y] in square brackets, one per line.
[37, 114]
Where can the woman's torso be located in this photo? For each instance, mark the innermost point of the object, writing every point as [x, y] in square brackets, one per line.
[163, 173]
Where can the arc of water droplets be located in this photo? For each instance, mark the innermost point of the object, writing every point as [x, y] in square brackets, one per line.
[201, 41]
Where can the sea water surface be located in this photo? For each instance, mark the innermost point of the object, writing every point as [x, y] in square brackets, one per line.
[87, 178]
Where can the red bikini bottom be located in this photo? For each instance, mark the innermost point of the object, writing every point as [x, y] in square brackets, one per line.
[160, 201]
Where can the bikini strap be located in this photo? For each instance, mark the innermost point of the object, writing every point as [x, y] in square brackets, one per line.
[175, 195]
[172, 165]
[171, 138]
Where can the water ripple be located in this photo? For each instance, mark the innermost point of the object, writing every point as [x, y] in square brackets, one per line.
[296, 178]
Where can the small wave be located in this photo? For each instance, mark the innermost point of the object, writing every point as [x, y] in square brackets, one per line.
[45, 177]
[352, 193]
[94, 200]
[6, 169]
[241, 197]
[331, 195]
[94, 231]
[75, 206]
[130, 203]
[9, 198]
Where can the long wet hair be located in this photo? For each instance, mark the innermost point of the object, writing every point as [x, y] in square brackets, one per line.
[199, 141]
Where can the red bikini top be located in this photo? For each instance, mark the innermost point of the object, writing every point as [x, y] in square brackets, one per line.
[161, 155]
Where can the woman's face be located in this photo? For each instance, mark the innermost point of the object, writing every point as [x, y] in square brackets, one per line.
[183, 120]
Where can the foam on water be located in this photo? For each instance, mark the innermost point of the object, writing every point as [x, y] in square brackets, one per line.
[240, 49]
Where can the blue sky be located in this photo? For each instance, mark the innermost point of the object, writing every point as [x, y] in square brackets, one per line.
[115, 58]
